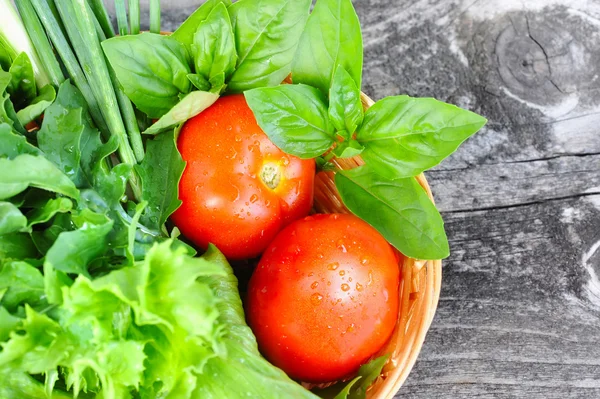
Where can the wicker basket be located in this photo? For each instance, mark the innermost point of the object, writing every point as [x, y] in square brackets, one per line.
[419, 290]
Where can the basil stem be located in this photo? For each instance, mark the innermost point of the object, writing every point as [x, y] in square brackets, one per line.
[101, 14]
[94, 63]
[134, 16]
[155, 16]
[40, 41]
[54, 31]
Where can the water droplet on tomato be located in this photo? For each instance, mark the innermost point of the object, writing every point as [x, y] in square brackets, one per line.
[254, 198]
[342, 272]
[370, 278]
[341, 246]
[334, 216]
[364, 261]
[228, 127]
[359, 287]
[320, 256]
[314, 285]
[345, 287]
[264, 290]
[333, 266]
[350, 328]
[329, 283]
[316, 298]
[267, 203]
[241, 161]
[285, 161]
[349, 279]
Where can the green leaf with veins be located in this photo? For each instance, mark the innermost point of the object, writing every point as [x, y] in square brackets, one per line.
[185, 33]
[345, 108]
[403, 136]
[160, 172]
[294, 117]
[22, 87]
[266, 38]
[332, 38]
[399, 209]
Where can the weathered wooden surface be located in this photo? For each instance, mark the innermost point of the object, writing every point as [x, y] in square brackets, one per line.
[519, 315]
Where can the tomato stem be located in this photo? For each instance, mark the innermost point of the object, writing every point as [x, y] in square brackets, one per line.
[270, 174]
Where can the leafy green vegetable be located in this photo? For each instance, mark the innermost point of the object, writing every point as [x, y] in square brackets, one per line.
[191, 105]
[214, 45]
[404, 136]
[185, 33]
[345, 108]
[266, 37]
[23, 284]
[160, 172]
[332, 38]
[294, 117]
[36, 171]
[151, 68]
[37, 107]
[11, 218]
[47, 211]
[22, 85]
[399, 209]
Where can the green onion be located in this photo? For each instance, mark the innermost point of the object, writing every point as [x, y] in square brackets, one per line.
[40, 41]
[121, 17]
[54, 30]
[101, 14]
[155, 16]
[94, 63]
[14, 37]
[134, 16]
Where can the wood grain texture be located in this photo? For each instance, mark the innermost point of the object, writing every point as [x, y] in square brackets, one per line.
[519, 315]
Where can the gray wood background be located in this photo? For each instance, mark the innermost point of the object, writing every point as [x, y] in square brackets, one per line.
[519, 315]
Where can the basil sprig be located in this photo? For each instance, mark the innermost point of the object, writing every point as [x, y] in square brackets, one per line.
[398, 137]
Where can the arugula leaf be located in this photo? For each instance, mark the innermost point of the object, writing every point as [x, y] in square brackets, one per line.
[332, 37]
[214, 45]
[47, 211]
[191, 105]
[12, 144]
[37, 107]
[185, 33]
[404, 136]
[399, 209]
[345, 108]
[26, 170]
[294, 117]
[266, 37]
[151, 68]
[73, 251]
[160, 172]
[11, 218]
[24, 284]
[22, 87]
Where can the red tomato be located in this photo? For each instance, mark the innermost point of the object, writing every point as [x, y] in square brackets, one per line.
[324, 297]
[238, 189]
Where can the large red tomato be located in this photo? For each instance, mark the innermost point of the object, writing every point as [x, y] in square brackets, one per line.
[238, 189]
[324, 297]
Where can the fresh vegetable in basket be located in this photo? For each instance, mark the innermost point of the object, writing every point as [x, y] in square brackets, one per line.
[112, 146]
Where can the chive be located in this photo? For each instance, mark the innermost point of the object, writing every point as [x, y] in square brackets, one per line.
[94, 63]
[99, 31]
[40, 41]
[101, 14]
[134, 16]
[121, 17]
[155, 16]
[54, 31]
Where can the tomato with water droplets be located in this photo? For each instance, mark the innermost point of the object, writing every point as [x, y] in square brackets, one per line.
[321, 324]
[238, 189]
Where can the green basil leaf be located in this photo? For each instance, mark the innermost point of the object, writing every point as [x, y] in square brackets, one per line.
[266, 37]
[399, 209]
[73, 251]
[22, 87]
[404, 136]
[185, 33]
[37, 107]
[199, 82]
[332, 37]
[49, 210]
[12, 144]
[191, 105]
[151, 68]
[11, 219]
[214, 45]
[160, 172]
[348, 149]
[294, 117]
[369, 373]
[217, 84]
[345, 108]
[36, 171]
[25, 284]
